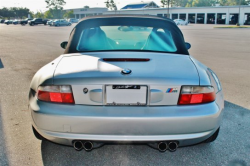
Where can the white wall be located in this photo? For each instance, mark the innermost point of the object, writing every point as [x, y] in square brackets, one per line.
[195, 10]
[87, 11]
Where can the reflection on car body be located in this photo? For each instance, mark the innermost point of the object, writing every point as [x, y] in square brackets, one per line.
[112, 85]
[131, 28]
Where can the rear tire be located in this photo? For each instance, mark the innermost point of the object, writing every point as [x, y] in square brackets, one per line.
[37, 135]
[213, 137]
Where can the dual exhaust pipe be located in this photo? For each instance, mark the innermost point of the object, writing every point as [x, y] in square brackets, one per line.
[162, 146]
[79, 145]
[171, 146]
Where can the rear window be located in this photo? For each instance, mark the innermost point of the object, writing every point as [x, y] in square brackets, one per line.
[126, 33]
[134, 38]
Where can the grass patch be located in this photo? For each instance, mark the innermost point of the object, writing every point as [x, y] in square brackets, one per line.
[233, 26]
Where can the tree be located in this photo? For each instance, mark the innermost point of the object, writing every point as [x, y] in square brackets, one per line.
[189, 3]
[234, 2]
[4, 12]
[200, 3]
[110, 4]
[38, 14]
[14, 12]
[69, 14]
[180, 3]
[49, 14]
[165, 3]
[57, 6]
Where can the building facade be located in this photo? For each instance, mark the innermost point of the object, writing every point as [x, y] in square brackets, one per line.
[196, 15]
[141, 5]
[86, 12]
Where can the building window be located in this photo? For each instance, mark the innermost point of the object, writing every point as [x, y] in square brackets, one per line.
[174, 16]
[191, 18]
[211, 18]
[160, 15]
[221, 18]
[247, 19]
[166, 15]
[233, 19]
[200, 18]
[183, 16]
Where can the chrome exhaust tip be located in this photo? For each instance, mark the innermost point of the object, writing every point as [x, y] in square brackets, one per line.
[172, 146]
[162, 146]
[88, 146]
[78, 145]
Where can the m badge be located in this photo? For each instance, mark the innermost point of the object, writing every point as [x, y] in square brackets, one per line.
[172, 90]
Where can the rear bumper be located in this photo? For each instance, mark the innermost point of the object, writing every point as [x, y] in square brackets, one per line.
[68, 138]
[186, 124]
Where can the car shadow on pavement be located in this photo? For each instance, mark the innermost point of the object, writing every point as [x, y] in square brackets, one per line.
[1, 64]
[231, 148]
[3, 152]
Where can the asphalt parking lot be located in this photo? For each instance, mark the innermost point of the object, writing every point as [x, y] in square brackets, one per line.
[25, 49]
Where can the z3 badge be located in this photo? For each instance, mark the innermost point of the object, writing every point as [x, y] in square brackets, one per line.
[172, 90]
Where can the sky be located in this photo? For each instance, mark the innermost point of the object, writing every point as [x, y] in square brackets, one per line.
[40, 5]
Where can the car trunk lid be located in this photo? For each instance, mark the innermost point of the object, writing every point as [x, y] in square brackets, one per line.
[158, 75]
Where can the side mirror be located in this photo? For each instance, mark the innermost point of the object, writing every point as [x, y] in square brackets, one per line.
[64, 44]
[188, 45]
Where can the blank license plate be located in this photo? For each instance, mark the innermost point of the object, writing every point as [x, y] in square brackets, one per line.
[126, 95]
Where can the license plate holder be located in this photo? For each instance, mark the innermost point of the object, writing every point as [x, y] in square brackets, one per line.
[126, 95]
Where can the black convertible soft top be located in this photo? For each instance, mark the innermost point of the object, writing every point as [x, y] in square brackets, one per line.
[127, 16]
[127, 20]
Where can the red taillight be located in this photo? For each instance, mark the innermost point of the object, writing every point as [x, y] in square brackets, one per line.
[42, 95]
[55, 97]
[196, 95]
[57, 94]
[67, 98]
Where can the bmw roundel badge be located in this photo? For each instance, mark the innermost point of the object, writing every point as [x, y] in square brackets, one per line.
[126, 71]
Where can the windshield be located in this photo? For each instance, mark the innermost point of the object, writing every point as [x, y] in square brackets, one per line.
[126, 38]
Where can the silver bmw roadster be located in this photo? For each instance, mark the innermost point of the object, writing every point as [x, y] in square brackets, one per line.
[126, 79]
